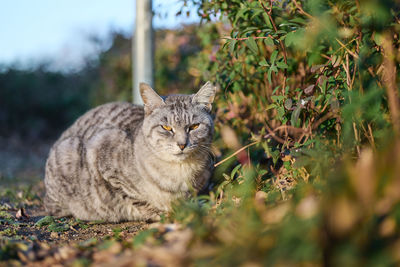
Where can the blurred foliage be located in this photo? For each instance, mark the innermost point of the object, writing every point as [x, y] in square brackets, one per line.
[174, 50]
[36, 103]
[311, 89]
[350, 217]
[39, 103]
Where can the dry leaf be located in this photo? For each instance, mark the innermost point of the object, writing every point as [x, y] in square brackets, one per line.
[309, 90]
[21, 214]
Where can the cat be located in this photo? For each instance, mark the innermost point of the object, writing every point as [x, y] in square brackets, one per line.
[124, 162]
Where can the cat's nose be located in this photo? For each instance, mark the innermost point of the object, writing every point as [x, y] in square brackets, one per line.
[182, 146]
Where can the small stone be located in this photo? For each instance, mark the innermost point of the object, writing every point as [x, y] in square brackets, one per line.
[54, 235]
[66, 252]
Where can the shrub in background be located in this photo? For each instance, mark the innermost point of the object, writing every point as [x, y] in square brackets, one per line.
[312, 86]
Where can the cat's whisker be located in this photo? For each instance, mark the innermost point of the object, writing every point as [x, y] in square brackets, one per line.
[208, 151]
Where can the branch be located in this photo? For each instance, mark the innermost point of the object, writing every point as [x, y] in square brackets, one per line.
[246, 38]
[275, 29]
[389, 79]
[237, 152]
[348, 50]
[302, 10]
[265, 8]
[327, 116]
[274, 136]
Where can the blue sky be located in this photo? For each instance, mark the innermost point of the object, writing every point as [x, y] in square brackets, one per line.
[59, 30]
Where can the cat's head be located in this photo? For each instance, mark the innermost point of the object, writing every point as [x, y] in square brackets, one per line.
[177, 127]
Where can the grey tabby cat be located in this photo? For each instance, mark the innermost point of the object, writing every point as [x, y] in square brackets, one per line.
[122, 162]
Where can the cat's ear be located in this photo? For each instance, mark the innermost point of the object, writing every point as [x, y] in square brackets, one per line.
[205, 96]
[150, 98]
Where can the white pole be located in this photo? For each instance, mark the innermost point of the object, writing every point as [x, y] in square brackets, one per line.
[142, 48]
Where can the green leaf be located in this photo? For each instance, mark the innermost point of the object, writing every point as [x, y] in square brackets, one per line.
[250, 30]
[270, 106]
[295, 116]
[273, 56]
[251, 43]
[295, 38]
[275, 156]
[234, 171]
[282, 65]
[299, 20]
[226, 176]
[277, 98]
[5, 215]
[256, 12]
[378, 38]
[142, 237]
[289, 39]
[58, 227]
[269, 42]
[232, 46]
[281, 112]
[267, 20]
[264, 63]
[45, 221]
[269, 74]
[240, 14]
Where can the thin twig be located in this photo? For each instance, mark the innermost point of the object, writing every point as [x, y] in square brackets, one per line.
[357, 137]
[368, 134]
[302, 10]
[265, 8]
[286, 127]
[348, 50]
[389, 79]
[327, 116]
[237, 152]
[246, 38]
[347, 70]
[272, 134]
[371, 136]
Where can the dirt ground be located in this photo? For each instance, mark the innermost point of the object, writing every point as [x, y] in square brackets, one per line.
[29, 237]
[75, 232]
[21, 186]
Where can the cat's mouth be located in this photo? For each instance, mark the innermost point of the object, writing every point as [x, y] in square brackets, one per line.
[185, 153]
[182, 155]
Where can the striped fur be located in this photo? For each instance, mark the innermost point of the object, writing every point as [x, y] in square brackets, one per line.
[116, 162]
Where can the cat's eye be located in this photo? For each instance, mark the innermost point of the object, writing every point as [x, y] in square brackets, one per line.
[166, 127]
[193, 126]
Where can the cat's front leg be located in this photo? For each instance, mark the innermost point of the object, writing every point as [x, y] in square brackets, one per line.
[134, 210]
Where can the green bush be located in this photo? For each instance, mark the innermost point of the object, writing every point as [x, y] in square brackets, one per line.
[39, 103]
[312, 86]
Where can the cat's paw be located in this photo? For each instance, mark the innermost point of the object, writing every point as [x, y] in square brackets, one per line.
[154, 218]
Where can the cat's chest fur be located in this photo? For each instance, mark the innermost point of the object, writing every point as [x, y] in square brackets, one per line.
[164, 181]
